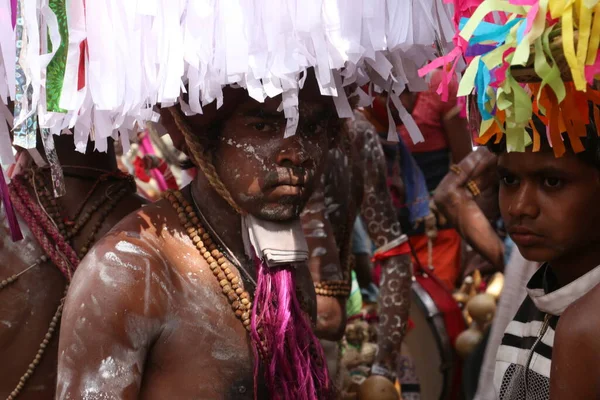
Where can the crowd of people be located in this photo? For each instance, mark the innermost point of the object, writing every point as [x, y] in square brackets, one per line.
[298, 211]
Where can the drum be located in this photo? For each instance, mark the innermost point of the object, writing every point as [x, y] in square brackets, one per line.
[429, 366]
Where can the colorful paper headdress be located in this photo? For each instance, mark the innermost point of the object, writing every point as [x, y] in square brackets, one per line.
[530, 58]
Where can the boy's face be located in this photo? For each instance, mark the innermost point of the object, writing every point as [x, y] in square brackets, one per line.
[550, 205]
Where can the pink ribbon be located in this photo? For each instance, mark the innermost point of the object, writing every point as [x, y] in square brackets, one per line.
[148, 149]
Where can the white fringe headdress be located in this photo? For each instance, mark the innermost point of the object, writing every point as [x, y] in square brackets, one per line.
[99, 67]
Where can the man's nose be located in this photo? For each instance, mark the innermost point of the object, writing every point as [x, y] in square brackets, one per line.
[524, 203]
[291, 156]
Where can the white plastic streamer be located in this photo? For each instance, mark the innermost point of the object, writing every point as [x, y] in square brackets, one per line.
[142, 53]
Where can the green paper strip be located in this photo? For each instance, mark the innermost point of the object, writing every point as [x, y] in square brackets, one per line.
[494, 58]
[549, 73]
[537, 29]
[56, 68]
[467, 83]
[551, 78]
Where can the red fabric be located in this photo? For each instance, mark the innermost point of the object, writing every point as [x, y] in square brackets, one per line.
[81, 69]
[429, 112]
[445, 257]
[399, 250]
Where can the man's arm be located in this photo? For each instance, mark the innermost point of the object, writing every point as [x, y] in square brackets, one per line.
[454, 200]
[575, 373]
[113, 312]
[459, 138]
[324, 265]
[382, 224]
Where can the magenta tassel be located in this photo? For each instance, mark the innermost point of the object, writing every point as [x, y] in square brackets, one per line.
[13, 13]
[11, 216]
[295, 366]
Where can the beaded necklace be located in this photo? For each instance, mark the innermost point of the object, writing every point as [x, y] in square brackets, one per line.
[45, 222]
[231, 285]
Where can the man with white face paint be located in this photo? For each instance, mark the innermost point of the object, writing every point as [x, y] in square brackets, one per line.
[206, 294]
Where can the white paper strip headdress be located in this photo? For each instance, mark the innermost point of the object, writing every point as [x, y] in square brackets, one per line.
[100, 66]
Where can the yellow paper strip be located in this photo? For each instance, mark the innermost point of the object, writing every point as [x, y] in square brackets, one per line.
[594, 37]
[569, 49]
[585, 26]
[557, 7]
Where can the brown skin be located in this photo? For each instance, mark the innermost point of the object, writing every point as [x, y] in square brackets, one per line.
[28, 305]
[550, 208]
[166, 322]
[576, 352]
[459, 139]
[324, 265]
[328, 220]
[468, 214]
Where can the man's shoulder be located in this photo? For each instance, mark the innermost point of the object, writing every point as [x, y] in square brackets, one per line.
[151, 217]
[134, 248]
[581, 321]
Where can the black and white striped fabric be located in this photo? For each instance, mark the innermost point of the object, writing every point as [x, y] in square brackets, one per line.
[525, 355]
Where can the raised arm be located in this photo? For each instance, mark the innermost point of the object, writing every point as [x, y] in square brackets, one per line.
[460, 206]
[383, 227]
[113, 312]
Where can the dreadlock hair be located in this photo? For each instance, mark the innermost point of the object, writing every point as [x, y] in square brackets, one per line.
[203, 159]
[591, 141]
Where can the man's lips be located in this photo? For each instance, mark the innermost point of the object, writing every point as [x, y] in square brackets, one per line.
[524, 236]
[286, 190]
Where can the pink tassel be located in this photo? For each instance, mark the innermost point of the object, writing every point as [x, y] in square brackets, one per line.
[294, 364]
[147, 148]
[11, 217]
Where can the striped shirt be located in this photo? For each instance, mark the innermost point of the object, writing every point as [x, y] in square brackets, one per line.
[524, 358]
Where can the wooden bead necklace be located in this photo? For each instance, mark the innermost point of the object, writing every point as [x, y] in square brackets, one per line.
[333, 288]
[230, 283]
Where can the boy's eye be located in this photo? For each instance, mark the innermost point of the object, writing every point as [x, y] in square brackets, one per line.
[553, 182]
[509, 180]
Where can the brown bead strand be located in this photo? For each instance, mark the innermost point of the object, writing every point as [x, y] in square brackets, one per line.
[48, 201]
[218, 263]
[239, 299]
[333, 288]
[104, 212]
[11, 279]
[41, 350]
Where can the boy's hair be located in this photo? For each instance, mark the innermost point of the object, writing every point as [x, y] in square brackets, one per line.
[591, 142]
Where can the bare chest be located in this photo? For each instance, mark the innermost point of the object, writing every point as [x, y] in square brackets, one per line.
[203, 351]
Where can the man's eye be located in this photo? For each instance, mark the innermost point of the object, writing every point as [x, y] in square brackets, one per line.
[261, 126]
[553, 182]
[311, 128]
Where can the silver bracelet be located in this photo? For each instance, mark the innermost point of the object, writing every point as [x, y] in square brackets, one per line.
[394, 243]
